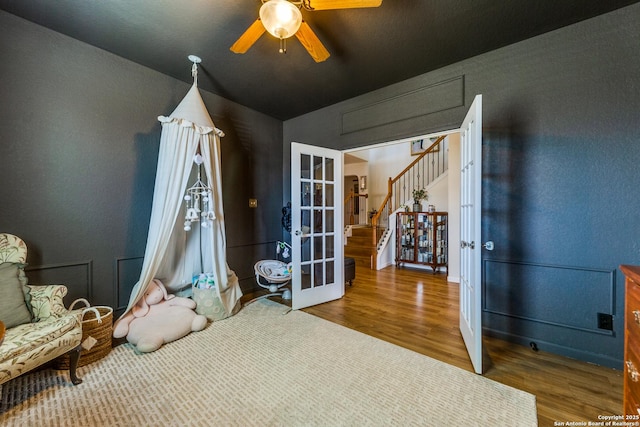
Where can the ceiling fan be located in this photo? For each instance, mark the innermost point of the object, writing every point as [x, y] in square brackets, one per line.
[283, 19]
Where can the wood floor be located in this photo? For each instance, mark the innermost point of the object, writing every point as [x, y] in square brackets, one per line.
[419, 311]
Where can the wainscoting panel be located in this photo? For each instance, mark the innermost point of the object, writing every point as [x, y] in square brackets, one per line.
[430, 99]
[127, 273]
[76, 276]
[568, 297]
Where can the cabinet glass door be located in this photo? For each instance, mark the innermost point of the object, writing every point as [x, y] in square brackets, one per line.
[424, 237]
[406, 252]
[441, 240]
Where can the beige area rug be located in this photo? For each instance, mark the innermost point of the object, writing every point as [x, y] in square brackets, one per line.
[265, 368]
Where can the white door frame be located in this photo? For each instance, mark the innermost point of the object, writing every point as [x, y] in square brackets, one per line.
[470, 297]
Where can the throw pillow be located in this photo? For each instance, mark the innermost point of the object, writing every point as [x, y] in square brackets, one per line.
[13, 307]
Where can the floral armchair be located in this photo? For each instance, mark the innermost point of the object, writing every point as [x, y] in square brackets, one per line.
[38, 326]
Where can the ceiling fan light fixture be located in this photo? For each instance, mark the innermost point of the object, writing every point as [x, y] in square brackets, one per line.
[281, 18]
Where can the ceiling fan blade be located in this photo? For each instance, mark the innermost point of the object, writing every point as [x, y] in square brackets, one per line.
[249, 37]
[339, 4]
[312, 43]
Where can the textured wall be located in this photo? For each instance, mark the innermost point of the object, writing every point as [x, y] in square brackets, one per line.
[560, 153]
[78, 150]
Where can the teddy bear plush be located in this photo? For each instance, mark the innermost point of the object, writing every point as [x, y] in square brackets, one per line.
[158, 318]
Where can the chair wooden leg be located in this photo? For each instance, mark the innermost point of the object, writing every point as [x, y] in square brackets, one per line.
[74, 357]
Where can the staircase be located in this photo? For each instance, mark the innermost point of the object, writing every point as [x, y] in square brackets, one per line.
[420, 173]
[360, 245]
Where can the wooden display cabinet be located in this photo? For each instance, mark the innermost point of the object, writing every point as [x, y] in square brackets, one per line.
[421, 238]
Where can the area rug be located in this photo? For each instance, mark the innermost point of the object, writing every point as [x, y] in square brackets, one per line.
[266, 366]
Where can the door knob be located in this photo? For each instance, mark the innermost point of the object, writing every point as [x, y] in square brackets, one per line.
[472, 245]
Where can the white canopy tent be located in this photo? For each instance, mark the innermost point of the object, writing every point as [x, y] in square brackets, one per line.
[173, 254]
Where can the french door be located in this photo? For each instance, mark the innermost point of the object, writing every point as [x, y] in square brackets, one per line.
[470, 233]
[317, 250]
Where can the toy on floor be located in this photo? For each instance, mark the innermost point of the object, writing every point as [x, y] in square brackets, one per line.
[158, 318]
[274, 275]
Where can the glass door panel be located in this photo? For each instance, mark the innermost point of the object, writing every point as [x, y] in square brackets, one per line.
[317, 237]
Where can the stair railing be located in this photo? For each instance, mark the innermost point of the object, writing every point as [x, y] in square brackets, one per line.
[355, 206]
[420, 173]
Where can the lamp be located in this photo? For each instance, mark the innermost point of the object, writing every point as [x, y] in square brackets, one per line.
[281, 19]
[363, 182]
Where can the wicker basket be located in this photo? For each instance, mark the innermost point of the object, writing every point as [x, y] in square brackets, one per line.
[97, 322]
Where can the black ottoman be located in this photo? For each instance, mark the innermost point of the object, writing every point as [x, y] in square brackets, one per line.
[349, 270]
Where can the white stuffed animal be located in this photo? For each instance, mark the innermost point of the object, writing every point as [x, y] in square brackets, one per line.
[158, 318]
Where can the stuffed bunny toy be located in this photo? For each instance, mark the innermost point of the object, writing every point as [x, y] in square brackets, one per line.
[158, 318]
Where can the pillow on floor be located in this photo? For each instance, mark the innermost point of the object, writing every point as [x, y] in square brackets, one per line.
[13, 307]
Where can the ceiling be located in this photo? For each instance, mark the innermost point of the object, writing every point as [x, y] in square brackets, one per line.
[370, 48]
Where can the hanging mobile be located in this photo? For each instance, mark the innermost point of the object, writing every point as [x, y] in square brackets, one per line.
[198, 200]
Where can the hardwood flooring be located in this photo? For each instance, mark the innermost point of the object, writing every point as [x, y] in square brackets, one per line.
[419, 311]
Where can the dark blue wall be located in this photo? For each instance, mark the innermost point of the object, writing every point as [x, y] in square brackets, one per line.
[79, 142]
[560, 152]
[561, 149]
